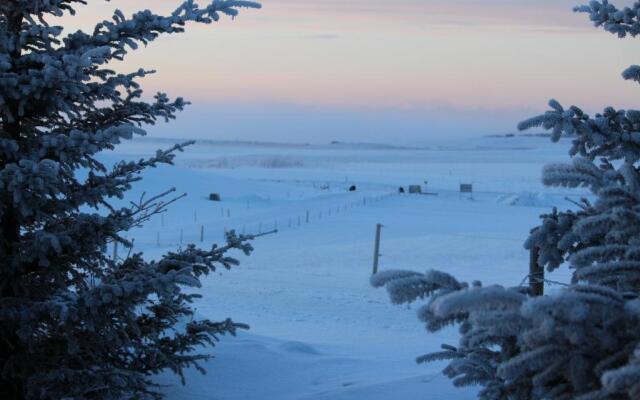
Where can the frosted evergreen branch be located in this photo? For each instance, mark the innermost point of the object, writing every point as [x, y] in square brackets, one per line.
[143, 27]
[582, 340]
[144, 210]
[632, 73]
[75, 323]
[621, 22]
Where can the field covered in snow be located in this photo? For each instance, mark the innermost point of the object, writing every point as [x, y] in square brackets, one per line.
[318, 330]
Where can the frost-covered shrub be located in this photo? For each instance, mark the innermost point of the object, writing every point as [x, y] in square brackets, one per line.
[582, 342]
[73, 323]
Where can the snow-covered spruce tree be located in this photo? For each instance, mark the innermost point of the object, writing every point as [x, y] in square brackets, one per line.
[583, 341]
[73, 323]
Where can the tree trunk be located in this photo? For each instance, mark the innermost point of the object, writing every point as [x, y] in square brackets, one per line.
[536, 273]
[10, 345]
[11, 388]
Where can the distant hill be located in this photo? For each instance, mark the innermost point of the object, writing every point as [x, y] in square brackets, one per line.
[372, 146]
[263, 144]
[514, 135]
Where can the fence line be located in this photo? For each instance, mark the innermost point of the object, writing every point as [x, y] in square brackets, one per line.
[212, 232]
[203, 232]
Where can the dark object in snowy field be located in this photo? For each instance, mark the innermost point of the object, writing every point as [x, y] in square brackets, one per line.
[352, 188]
[401, 190]
[416, 189]
[215, 197]
[466, 188]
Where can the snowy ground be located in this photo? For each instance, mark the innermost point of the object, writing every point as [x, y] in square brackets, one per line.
[318, 330]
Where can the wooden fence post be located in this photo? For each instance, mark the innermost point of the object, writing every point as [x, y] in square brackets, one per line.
[376, 250]
[536, 273]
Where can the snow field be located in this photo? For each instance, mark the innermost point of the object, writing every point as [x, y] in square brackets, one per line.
[318, 330]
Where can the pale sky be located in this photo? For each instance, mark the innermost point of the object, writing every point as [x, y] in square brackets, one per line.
[380, 71]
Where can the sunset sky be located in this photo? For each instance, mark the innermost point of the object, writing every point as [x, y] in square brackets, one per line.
[404, 71]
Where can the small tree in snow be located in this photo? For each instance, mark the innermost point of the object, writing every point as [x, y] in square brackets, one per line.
[73, 323]
[584, 341]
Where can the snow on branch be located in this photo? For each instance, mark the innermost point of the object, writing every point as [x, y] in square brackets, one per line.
[621, 22]
[408, 286]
